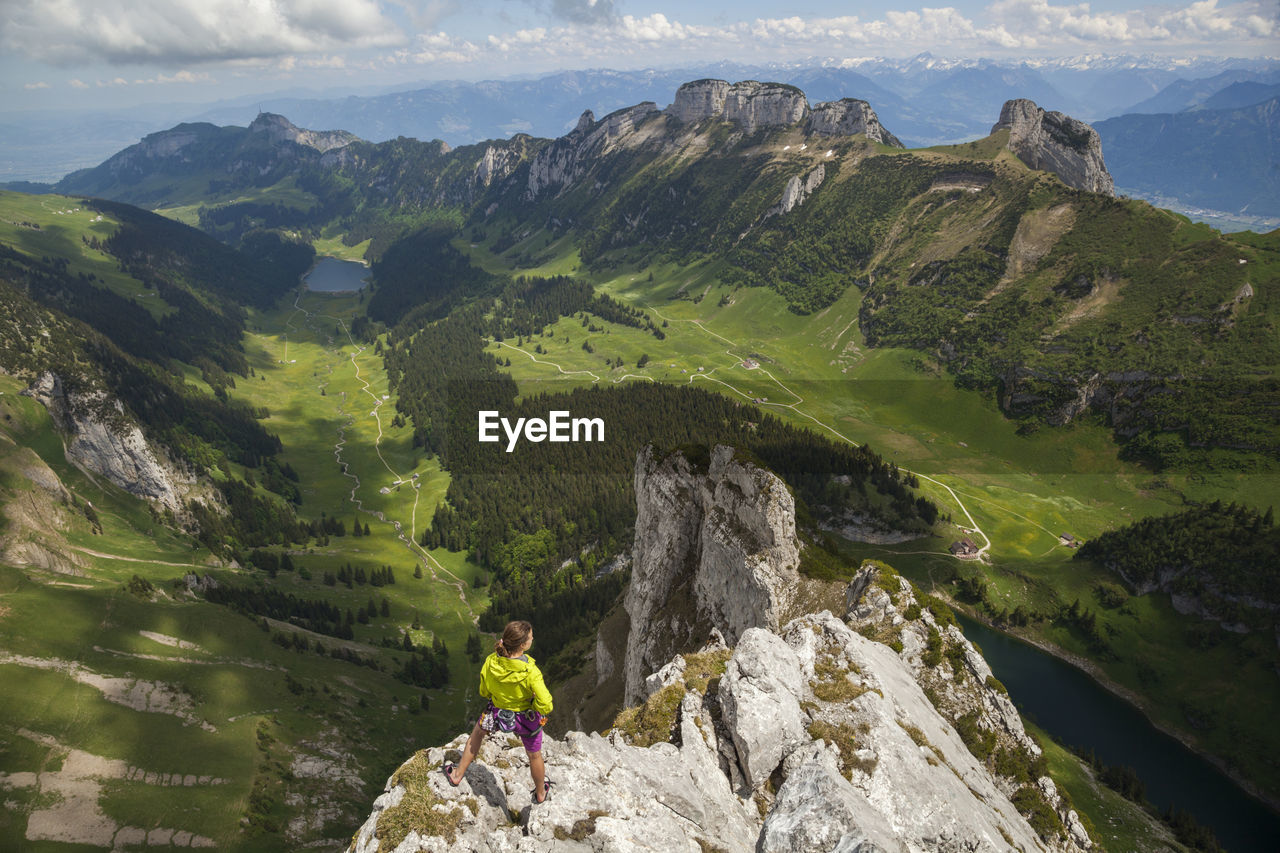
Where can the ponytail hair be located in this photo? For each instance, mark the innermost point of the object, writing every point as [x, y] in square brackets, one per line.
[513, 637]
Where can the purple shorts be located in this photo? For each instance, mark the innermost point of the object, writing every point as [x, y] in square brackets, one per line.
[526, 724]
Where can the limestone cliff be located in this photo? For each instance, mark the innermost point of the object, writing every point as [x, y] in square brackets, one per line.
[1056, 143]
[103, 440]
[816, 734]
[749, 104]
[848, 117]
[567, 158]
[754, 106]
[713, 547]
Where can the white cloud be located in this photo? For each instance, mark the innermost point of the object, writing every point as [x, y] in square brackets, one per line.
[33, 86]
[163, 79]
[73, 32]
[656, 27]
[284, 37]
[438, 48]
[77, 84]
[1038, 23]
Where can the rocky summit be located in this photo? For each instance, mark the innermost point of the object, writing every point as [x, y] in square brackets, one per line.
[753, 106]
[879, 728]
[277, 128]
[1056, 143]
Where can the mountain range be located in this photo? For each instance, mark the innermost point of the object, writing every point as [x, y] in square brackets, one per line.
[1224, 158]
[914, 96]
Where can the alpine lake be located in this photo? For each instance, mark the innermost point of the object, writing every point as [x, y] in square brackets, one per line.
[1079, 712]
[334, 275]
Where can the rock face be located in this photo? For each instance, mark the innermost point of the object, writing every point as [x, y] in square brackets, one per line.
[809, 736]
[567, 158]
[1056, 143]
[699, 100]
[496, 164]
[847, 117]
[104, 441]
[958, 679]
[714, 547]
[277, 128]
[749, 104]
[797, 190]
[752, 106]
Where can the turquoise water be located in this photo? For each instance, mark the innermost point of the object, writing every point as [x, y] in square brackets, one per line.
[1079, 712]
[334, 275]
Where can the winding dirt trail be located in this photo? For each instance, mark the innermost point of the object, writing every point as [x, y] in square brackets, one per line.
[410, 538]
[795, 407]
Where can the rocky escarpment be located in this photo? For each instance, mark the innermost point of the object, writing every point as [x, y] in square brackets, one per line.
[277, 129]
[797, 190]
[959, 683]
[567, 158]
[815, 735]
[849, 117]
[753, 106]
[1056, 143]
[102, 440]
[714, 547]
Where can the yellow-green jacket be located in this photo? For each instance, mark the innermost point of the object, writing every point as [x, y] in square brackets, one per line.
[514, 684]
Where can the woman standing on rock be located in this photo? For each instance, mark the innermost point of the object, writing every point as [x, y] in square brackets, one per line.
[518, 703]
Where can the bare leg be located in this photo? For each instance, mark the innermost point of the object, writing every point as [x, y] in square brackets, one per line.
[539, 771]
[469, 753]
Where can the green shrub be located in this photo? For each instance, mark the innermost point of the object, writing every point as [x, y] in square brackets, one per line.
[1031, 804]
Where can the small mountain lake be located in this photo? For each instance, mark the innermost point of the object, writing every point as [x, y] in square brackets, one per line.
[1075, 709]
[334, 275]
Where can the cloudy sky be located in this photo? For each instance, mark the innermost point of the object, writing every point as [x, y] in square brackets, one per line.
[79, 53]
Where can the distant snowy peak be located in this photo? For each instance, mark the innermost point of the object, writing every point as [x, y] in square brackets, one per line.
[1195, 65]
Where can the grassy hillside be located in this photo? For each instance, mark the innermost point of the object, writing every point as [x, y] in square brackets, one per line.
[265, 724]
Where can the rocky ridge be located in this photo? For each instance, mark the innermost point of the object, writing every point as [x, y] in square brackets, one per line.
[823, 733]
[567, 158]
[1056, 143]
